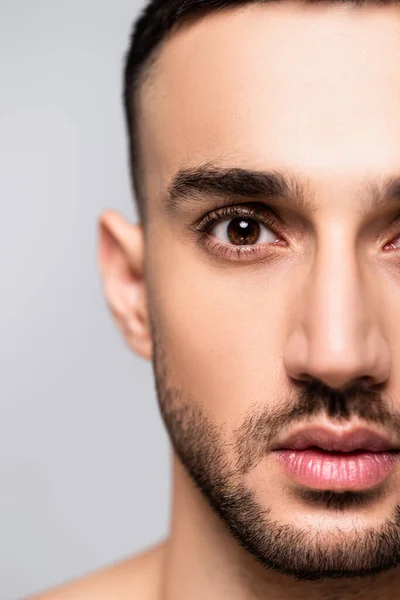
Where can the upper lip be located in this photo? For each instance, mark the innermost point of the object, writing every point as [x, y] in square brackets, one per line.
[337, 439]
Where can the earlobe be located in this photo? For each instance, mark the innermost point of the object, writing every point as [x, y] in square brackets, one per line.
[120, 259]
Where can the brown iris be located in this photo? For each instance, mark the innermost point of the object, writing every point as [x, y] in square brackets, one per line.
[243, 231]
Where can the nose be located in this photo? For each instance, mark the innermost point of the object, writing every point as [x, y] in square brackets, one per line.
[337, 335]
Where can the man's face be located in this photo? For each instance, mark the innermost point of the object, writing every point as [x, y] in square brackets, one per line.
[242, 340]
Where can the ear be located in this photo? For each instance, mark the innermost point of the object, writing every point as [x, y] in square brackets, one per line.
[120, 260]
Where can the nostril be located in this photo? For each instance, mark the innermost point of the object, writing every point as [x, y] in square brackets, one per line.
[305, 377]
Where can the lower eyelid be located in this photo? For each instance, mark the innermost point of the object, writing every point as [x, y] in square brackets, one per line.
[237, 253]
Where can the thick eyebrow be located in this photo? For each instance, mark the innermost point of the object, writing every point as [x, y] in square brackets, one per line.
[205, 181]
[380, 193]
[210, 181]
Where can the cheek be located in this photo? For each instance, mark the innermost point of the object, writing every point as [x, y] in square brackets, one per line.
[222, 329]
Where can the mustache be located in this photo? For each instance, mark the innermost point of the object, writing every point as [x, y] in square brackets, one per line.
[255, 435]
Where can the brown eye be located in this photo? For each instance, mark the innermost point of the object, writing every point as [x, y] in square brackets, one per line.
[241, 231]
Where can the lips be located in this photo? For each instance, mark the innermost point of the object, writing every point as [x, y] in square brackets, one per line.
[338, 459]
[338, 440]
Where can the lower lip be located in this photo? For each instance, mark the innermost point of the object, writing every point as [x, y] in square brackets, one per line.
[337, 470]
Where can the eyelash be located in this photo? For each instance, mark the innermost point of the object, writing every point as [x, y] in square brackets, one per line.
[264, 216]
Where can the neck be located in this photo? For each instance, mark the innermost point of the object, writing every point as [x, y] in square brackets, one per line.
[203, 560]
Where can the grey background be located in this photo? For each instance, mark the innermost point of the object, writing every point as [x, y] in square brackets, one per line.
[84, 458]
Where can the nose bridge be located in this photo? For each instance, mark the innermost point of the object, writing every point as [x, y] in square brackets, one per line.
[340, 339]
[336, 313]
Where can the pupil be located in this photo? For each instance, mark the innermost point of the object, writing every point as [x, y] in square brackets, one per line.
[243, 231]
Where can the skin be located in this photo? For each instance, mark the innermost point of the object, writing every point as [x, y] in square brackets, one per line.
[310, 90]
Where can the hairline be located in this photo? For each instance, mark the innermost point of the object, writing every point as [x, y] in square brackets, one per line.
[134, 88]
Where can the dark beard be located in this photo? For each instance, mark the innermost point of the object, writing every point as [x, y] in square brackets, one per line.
[199, 445]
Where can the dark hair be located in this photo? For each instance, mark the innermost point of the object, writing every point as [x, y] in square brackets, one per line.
[155, 21]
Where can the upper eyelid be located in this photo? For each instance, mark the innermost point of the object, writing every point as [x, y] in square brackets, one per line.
[265, 214]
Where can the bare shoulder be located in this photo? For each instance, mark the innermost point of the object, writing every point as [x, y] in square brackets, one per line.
[137, 577]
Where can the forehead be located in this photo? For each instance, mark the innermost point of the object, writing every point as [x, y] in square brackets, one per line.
[311, 88]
